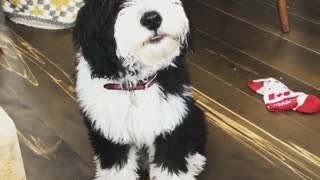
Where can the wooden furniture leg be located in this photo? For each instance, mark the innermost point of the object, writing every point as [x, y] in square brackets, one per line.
[283, 11]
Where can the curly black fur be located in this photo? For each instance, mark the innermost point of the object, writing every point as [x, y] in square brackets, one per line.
[94, 36]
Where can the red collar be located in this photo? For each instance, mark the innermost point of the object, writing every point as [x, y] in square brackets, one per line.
[140, 86]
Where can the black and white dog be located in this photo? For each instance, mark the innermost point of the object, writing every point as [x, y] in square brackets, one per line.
[134, 90]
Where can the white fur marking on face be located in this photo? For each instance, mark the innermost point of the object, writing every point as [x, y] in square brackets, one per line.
[131, 36]
[128, 172]
[195, 165]
[118, 119]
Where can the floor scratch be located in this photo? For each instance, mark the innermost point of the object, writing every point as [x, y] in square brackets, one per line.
[38, 147]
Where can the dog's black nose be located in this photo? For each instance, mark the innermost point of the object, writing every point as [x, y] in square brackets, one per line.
[151, 20]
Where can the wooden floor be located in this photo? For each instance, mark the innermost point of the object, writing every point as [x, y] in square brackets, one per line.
[235, 41]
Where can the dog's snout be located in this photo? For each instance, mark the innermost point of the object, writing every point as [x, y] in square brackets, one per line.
[151, 20]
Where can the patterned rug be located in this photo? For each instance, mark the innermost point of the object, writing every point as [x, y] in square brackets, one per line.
[45, 14]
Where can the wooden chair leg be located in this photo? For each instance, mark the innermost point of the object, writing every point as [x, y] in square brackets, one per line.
[283, 11]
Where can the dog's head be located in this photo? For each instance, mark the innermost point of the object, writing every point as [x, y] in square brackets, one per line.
[115, 34]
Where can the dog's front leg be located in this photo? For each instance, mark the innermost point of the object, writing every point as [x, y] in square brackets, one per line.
[114, 161]
[122, 167]
[179, 155]
[173, 159]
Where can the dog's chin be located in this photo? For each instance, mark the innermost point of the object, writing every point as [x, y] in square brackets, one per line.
[159, 51]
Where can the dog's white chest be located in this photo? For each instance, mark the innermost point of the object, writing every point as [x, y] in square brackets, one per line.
[128, 117]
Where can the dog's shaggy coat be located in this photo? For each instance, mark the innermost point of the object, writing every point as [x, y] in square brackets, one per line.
[156, 130]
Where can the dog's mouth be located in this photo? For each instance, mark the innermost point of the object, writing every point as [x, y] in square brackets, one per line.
[156, 38]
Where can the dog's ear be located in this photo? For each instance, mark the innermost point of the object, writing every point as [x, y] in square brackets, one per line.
[94, 36]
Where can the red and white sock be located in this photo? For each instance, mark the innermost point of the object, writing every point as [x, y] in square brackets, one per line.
[278, 97]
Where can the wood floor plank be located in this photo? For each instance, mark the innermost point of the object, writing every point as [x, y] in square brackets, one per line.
[45, 155]
[266, 48]
[219, 58]
[230, 160]
[308, 10]
[235, 69]
[261, 15]
[57, 45]
[281, 152]
[278, 124]
[46, 88]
